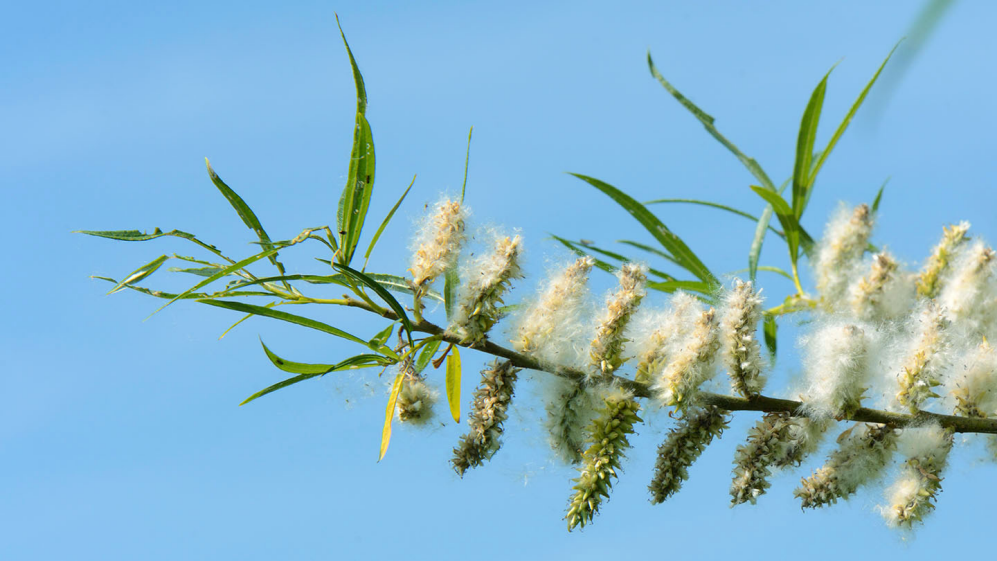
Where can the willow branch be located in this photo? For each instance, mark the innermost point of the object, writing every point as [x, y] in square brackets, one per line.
[731, 403]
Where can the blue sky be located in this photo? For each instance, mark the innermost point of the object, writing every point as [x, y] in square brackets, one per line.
[121, 438]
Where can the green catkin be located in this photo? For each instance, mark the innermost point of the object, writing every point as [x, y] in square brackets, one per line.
[922, 370]
[607, 439]
[606, 349]
[863, 452]
[776, 441]
[683, 446]
[488, 411]
[929, 282]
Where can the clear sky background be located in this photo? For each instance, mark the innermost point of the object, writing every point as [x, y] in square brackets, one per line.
[121, 438]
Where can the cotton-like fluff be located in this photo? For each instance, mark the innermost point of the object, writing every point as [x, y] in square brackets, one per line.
[415, 400]
[570, 407]
[683, 446]
[911, 496]
[486, 280]
[930, 281]
[926, 357]
[549, 329]
[437, 243]
[741, 353]
[839, 255]
[488, 412]
[837, 370]
[970, 292]
[693, 364]
[657, 335]
[777, 441]
[972, 382]
[863, 452]
[607, 441]
[885, 293]
[606, 349]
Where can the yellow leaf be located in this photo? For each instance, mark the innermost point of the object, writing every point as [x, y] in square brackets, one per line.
[453, 383]
[390, 413]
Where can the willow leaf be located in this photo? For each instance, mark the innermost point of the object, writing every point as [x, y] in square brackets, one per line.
[377, 234]
[453, 383]
[389, 414]
[668, 239]
[140, 273]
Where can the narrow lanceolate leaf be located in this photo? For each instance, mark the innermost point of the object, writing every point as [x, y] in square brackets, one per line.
[377, 234]
[602, 265]
[719, 206]
[355, 199]
[312, 370]
[426, 355]
[380, 291]
[451, 284]
[197, 271]
[770, 328]
[707, 121]
[467, 160]
[140, 273]
[672, 286]
[453, 383]
[805, 147]
[137, 236]
[382, 336]
[290, 318]
[879, 196]
[755, 253]
[583, 246]
[245, 213]
[389, 413]
[845, 122]
[649, 249]
[796, 236]
[671, 242]
[221, 273]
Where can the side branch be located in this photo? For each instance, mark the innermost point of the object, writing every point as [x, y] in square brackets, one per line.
[731, 403]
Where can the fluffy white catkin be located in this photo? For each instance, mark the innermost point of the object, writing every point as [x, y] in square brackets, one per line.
[549, 329]
[839, 255]
[911, 496]
[606, 349]
[741, 352]
[438, 242]
[837, 370]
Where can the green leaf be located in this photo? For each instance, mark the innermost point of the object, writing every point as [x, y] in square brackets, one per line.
[611, 269]
[671, 242]
[672, 286]
[140, 273]
[649, 249]
[770, 329]
[360, 181]
[382, 292]
[309, 371]
[245, 213]
[389, 413]
[137, 236]
[707, 121]
[845, 122]
[879, 196]
[451, 284]
[377, 234]
[612, 255]
[426, 354]
[284, 316]
[769, 269]
[754, 254]
[222, 273]
[796, 236]
[805, 147]
[198, 271]
[713, 205]
[453, 383]
[467, 160]
[382, 336]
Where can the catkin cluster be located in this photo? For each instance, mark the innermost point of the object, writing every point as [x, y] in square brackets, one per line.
[877, 334]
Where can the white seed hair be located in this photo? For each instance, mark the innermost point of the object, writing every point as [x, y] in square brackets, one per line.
[839, 256]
